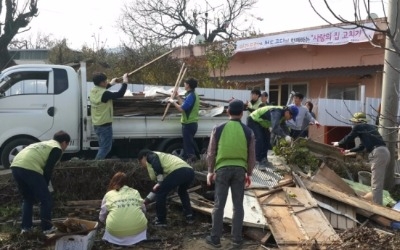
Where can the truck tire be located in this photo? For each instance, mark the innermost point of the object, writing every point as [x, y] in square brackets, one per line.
[12, 148]
[175, 149]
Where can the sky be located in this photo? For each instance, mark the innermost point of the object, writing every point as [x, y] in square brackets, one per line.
[94, 22]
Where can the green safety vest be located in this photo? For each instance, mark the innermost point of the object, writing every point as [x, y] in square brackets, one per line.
[169, 163]
[256, 115]
[254, 106]
[101, 112]
[35, 156]
[194, 112]
[125, 217]
[232, 146]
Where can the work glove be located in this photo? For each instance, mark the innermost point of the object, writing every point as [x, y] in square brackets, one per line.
[288, 139]
[247, 180]
[210, 178]
[150, 197]
[335, 144]
[317, 124]
[125, 78]
[346, 151]
[113, 81]
[171, 100]
[50, 187]
[156, 187]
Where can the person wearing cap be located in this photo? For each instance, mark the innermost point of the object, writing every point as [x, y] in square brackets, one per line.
[304, 116]
[372, 142]
[254, 101]
[170, 172]
[101, 107]
[190, 116]
[270, 117]
[230, 160]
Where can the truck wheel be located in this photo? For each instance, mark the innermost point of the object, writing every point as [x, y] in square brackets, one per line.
[175, 149]
[12, 148]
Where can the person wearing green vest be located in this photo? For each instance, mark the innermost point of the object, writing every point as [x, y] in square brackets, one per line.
[230, 160]
[32, 169]
[190, 116]
[273, 117]
[122, 211]
[101, 107]
[255, 101]
[170, 172]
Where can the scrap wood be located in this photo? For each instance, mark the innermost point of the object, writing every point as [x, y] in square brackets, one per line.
[182, 73]
[354, 201]
[258, 234]
[92, 203]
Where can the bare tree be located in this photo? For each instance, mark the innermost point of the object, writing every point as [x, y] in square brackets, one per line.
[40, 41]
[15, 18]
[391, 70]
[167, 22]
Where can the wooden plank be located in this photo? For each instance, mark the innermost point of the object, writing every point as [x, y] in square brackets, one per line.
[292, 225]
[258, 234]
[329, 177]
[352, 200]
[313, 220]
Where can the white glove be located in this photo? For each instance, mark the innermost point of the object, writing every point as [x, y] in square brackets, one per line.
[171, 100]
[288, 139]
[347, 151]
[50, 187]
[335, 144]
[125, 78]
[151, 196]
[113, 81]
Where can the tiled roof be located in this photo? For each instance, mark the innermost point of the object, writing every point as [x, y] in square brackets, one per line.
[307, 74]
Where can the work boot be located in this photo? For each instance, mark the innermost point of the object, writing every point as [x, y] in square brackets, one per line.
[189, 219]
[159, 223]
[213, 241]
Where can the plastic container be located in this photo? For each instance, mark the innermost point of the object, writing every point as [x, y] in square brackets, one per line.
[364, 177]
[81, 242]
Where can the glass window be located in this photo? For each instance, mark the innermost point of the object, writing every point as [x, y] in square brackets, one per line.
[343, 92]
[27, 82]
[60, 81]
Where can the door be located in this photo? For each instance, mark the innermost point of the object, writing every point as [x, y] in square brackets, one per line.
[26, 103]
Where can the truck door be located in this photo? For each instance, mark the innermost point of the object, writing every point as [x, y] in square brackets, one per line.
[26, 103]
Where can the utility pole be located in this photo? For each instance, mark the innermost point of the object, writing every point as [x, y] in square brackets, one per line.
[390, 90]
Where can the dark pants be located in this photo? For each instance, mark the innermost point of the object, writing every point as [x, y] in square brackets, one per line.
[189, 145]
[181, 178]
[33, 187]
[228, 177]
[262, 139]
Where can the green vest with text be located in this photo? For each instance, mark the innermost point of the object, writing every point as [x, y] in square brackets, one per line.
[194, 113]
[255, 105]
[35, 156]
[168, 162]
[125, 217]
[232, 146]
[256, 115]
[101, 112]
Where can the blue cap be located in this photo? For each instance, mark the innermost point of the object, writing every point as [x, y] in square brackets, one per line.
[236, 107]
[294, 111]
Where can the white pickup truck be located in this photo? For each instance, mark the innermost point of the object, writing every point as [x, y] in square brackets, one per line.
[38, 100]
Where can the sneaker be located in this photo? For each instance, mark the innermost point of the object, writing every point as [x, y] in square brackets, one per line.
[189, 219]
[159, 223]
[213, 241]
[237, 243]
[26, 230]
[50, 231]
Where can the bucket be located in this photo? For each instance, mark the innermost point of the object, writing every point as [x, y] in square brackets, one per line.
[364, 177]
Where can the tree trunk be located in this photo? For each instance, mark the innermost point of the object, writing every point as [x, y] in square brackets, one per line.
[390, 87]
[5, 59]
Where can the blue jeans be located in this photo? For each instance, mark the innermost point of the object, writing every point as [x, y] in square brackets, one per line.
[104, 134]
[33, 188]
[233, 177]
[181, 178]
[262, 144]
[189, 145]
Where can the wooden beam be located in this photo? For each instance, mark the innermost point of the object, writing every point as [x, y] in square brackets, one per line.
[352, 200]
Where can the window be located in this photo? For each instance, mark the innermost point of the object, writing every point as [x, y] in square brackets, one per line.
[343, 92]
[279, 94]
[28, 82]
[60, 81]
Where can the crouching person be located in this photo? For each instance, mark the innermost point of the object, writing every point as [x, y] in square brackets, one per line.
[122, 210]
[170, 172]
